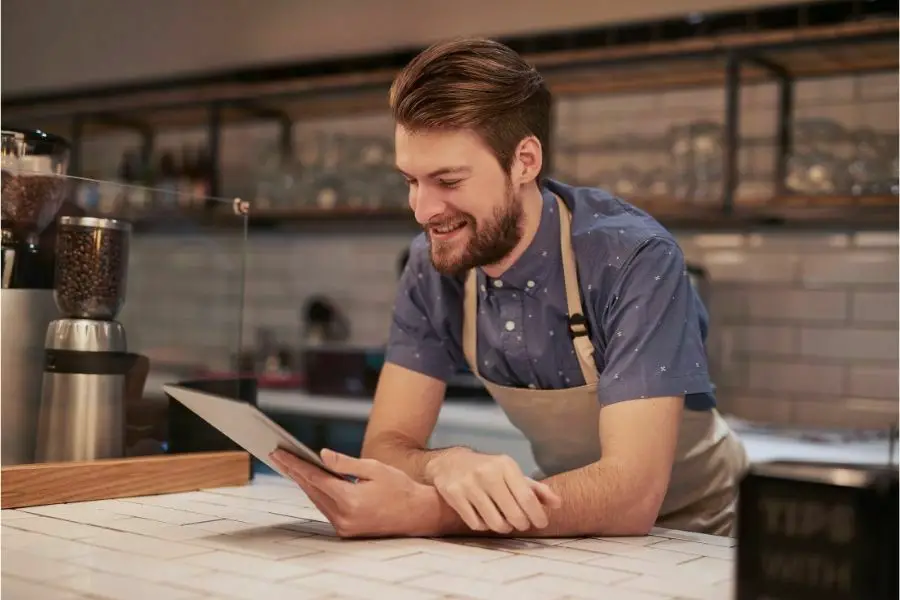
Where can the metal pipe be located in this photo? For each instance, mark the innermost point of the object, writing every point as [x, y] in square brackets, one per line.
[785, 132]
[732, 131]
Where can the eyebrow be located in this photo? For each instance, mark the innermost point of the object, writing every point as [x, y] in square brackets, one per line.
[442, 171]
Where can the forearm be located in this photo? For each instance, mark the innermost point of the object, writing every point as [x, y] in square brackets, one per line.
[404, 454]
[599, 499]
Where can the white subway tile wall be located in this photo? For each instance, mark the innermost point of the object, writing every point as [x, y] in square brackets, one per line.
[811, 338]
[804, 325]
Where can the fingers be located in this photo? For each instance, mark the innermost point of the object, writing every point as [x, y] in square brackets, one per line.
[513, 512]
[486, 506]
[516, 497]
[325, 503]
[364, 468]
[293, 467]
[527, 497]
[496, 495]
[460, 503]
[297, 473]
[547, 496]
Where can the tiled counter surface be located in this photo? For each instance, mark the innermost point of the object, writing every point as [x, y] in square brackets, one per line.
[267, 541]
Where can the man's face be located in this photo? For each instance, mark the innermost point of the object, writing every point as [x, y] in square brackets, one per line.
[461, 197]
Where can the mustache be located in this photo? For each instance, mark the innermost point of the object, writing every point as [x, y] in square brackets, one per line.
[442, 220]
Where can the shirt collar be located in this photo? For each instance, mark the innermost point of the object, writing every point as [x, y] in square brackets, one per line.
[530, 272]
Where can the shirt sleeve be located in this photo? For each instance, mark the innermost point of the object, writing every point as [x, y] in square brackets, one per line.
[415, 341]
[654, 344]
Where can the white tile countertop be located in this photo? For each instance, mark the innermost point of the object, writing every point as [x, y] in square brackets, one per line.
[267, 540]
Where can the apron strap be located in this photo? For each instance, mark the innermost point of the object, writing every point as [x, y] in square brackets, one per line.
[578, 328]
[578, 325]
[470, 318]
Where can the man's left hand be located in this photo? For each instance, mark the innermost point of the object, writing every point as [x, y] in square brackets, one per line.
[383, 502]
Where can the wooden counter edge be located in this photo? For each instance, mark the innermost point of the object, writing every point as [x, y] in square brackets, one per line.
[56, 483]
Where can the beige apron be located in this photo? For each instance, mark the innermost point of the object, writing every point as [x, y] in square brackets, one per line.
[563, 425]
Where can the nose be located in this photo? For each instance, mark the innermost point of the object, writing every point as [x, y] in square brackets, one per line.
[426, 205]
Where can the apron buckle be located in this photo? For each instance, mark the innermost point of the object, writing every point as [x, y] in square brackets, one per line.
[578, 326]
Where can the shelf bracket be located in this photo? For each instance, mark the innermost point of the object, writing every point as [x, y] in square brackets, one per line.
[785, 117]
[766, 64]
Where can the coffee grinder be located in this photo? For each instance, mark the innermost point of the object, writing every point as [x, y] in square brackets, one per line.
[89, 375]
[34, 166]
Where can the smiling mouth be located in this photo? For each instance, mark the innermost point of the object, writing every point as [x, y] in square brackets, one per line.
[448, 228]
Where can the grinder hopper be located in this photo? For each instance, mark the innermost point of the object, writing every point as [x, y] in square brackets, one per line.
[34, 165]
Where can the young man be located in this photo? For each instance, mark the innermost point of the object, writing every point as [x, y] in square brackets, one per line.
[572, 306]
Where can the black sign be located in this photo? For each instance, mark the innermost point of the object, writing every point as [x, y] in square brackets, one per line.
[818, 531]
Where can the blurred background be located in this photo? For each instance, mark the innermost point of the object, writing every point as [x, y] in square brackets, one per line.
[764, 134]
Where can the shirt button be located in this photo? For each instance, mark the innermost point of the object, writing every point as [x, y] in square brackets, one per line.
[530, 284]
[498, 284]
[510, 325]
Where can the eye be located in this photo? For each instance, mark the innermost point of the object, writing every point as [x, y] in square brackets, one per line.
[452, 183]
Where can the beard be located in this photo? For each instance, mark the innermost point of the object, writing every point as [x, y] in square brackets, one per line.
[480, 243]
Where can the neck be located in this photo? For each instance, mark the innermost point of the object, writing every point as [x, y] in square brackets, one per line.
[532, 207]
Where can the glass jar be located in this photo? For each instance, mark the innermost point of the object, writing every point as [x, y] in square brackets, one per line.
[91, 267]
[34, 164]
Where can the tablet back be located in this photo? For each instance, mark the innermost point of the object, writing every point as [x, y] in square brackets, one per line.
[249, 427]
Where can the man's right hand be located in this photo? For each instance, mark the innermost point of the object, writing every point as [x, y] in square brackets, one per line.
[489, 492]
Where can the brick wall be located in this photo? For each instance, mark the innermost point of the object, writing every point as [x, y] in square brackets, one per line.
[805, 326]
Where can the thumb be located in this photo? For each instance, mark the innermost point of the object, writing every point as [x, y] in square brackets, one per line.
[547, 496]
[364, 468]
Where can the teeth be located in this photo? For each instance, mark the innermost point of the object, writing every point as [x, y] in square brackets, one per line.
[448, 228]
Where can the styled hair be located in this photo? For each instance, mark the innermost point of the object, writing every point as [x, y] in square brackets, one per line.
[474, 84]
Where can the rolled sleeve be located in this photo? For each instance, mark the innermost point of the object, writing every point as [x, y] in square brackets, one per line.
[652, 328]
[415, 341]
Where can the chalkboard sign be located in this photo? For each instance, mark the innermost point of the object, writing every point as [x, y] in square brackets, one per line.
[817, 531]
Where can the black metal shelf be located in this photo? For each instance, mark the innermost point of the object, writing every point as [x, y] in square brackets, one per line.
[730, 49]
[794, 213]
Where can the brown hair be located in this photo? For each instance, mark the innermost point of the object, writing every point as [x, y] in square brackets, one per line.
[474, 84]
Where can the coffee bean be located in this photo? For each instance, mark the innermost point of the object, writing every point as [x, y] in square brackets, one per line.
[91, 270]
[31, 201]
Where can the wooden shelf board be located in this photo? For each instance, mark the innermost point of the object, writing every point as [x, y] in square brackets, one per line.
[643, 67]
[747, 42]
[611, 79]
[804, 200]
[55, 483]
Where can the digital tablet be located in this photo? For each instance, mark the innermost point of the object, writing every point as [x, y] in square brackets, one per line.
[247, 426]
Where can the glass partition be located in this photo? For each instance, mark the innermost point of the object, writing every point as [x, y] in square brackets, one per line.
[167, 264]
[185, 273]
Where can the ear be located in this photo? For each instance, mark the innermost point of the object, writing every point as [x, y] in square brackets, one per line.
[527, 161]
